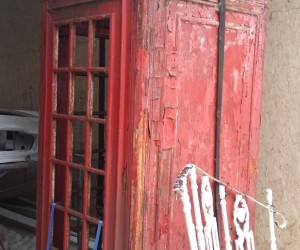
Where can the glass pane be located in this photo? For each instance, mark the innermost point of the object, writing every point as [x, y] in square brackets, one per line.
[62, 93]
[58, 229]
[61, 139]
[75, 233]
[100, 95]
[98, 145]
[101, 43]
[79, 95]
[92, 236]
[78, 142]
[59, 183]
[81, 45]
[62, 53]
[96, 192]
[76, 181]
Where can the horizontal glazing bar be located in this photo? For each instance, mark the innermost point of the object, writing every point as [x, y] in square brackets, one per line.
[89, 169]
[77, 166]
[79, 118]
[94, 113]
[59, 162]
[81, 70]
[96, 171]
[77, 214]
[69, 211]
[82, 19]
[99, 70]
[94, 151]
[97, 120]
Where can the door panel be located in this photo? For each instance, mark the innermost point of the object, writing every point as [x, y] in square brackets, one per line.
[79, 125]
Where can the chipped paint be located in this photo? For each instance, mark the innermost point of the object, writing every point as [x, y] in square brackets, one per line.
[176, 103]
[138, 193]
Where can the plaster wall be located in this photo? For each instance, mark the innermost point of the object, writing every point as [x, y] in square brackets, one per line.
[19, 54]
[279, 164]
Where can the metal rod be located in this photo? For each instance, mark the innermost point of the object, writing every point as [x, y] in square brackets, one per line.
[226, 185]
[50, 225]
[98, 235]
[221, 42]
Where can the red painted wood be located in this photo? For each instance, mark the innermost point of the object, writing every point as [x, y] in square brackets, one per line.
[165, 91]
[175, 77]
[63, 3]
[43, 196]
[64, 118]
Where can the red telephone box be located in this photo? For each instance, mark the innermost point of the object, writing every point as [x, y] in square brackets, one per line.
[176, 67]
[80, 123]
[127, 98]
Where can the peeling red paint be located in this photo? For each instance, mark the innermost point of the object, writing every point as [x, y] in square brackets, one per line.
[171, 100]
[175, 85]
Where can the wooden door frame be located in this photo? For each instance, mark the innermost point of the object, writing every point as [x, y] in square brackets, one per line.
[44, 183]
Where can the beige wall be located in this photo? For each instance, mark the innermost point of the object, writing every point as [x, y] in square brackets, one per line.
[19, 54]
[279, 166]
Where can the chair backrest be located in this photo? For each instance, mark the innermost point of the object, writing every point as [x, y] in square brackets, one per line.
[203, 234]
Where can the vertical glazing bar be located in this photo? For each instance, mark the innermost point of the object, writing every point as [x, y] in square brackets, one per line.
[51, 174]
[45, 134]
[111, 139]
[86, 183]
[123, 82]
[72, 36]
[91, 34]
[53, 108]
[61, 97]
[101, 101]
[72, 45]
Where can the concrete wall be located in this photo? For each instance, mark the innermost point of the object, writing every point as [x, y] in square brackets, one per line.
[19, 54]
[279, 166]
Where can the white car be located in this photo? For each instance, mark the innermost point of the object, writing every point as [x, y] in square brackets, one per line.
[18, 139]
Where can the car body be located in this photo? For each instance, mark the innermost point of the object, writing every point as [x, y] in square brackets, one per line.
[18, 139]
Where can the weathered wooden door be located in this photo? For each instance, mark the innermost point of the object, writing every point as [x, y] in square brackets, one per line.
[176, 121]
[79, 123]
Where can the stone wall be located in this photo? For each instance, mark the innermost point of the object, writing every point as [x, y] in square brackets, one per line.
[279, 166]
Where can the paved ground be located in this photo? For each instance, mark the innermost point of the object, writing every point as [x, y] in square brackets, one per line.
[13, 237]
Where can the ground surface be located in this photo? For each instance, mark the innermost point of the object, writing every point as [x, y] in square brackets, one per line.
[16, 238]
